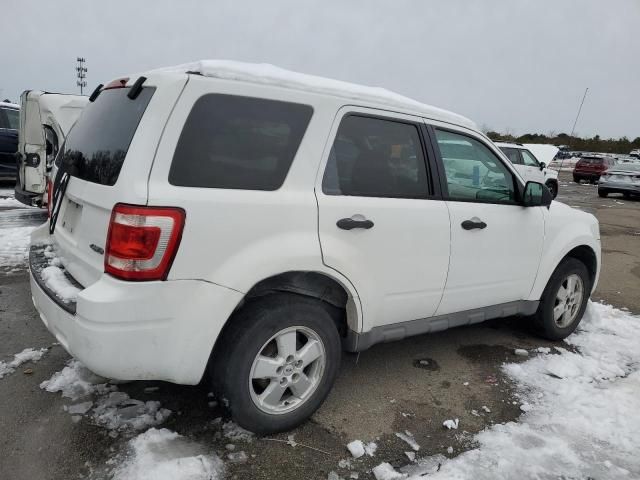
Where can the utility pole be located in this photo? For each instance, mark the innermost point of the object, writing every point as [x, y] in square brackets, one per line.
[81, 73]
[573, 129]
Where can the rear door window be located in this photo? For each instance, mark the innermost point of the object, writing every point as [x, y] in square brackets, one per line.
[238, 143]
[373, 157]
[97, 144]
[513, 154]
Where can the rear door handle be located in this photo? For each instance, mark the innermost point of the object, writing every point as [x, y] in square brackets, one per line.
[470, 225]
[350, 224]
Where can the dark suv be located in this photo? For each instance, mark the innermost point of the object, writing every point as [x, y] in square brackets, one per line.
[590, 167]
[9, 125]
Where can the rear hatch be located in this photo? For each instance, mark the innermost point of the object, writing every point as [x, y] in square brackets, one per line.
[590, 165]
[108, 155]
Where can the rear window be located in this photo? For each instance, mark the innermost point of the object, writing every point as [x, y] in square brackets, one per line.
[238, 143]
[98, 143]
[592, 161]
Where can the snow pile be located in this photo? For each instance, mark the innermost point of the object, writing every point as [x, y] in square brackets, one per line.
[357, 448]
[26, 355]
[583, 417]
[266, 74]
[385, 471]
[451, 424]
[407, 436]
[113, 409]
[165, 455]
[55, 279]
[236, 433]
[14, 245]
[75, 381]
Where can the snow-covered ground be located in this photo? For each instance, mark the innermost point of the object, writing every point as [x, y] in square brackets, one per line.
[27, 355]
[14, 243]
[580, 417]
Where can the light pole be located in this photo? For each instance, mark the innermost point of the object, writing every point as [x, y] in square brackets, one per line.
[81, 73]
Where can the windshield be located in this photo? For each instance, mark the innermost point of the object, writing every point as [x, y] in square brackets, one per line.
[97, 144]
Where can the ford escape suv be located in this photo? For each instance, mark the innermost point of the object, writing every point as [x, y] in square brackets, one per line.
[246, 224]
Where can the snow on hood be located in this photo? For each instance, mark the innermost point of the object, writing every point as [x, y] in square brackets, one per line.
[267, 74]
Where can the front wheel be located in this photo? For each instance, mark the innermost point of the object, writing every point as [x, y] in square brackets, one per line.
[564, 300]
[602, 193]
[278, 361]
[553, 188]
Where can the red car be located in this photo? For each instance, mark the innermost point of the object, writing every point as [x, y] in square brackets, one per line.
[591, 167]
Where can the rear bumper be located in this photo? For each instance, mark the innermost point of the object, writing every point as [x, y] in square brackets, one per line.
[28, 198]
[586, 175]
[617, 187]
[141, 331]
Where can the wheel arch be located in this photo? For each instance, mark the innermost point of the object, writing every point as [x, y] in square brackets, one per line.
[341, 299]
[583, 252]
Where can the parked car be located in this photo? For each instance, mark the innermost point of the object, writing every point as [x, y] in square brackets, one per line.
[624, 179]
[246, 223]
[635, 153]
[590, 167]
[529, 166]
[46, 119]
[9, 120]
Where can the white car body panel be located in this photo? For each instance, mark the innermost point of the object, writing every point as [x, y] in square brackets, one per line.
[39, 110]
[416, 263]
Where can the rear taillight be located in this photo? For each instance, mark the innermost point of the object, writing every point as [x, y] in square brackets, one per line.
[142, 241]
[49, 193]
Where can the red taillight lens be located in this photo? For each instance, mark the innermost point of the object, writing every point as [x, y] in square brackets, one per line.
[49, 193]
[142, 241]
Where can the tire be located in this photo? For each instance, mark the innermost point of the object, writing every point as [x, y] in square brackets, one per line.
[250, 336]
[576, 179]
[553, 188]
[626, 195]
[602, 193]
[553, 328]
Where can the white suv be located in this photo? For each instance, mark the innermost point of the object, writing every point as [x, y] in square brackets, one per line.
[249, 223]
[529, 166]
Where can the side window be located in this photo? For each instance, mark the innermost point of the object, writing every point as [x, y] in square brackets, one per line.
[473, 171]
[3, 118]
[372, 157]
[238, 143]
[513, 155]
[529, 159]
[13, 118]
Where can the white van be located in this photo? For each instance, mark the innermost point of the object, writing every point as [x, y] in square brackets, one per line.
[45, 120]
[248, 223]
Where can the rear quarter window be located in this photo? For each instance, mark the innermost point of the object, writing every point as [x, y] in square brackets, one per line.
[238, 143]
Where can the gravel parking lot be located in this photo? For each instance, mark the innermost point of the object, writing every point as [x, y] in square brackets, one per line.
[413, 385]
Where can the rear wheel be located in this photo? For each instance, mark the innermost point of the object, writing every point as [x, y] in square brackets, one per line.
[278, 361]
[602, 193]
[564, 300]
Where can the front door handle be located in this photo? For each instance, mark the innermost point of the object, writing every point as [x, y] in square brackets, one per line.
[350, 224]
[470, 225]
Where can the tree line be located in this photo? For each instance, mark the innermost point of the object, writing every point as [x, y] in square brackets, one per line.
[593, 144]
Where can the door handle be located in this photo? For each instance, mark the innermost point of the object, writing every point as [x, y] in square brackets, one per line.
[470, 225]
[350, 224]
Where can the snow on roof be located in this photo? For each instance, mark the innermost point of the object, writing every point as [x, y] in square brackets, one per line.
[10, 105]
[267, 74]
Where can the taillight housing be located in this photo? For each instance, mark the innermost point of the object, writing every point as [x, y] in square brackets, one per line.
[142, 241]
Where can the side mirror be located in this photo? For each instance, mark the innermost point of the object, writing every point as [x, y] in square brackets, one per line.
[536, 195]
[543, 165]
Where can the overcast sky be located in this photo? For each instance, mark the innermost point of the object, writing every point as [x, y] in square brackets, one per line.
[520, 65]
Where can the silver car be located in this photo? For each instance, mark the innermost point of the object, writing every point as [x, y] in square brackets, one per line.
[623, 178]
